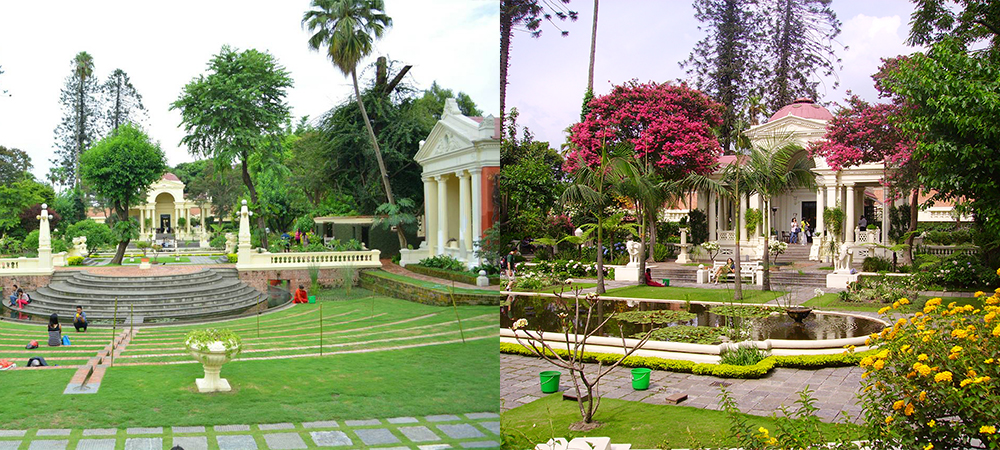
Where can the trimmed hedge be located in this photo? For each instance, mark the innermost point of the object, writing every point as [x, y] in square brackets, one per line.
[450, 275]
[421, 294]
[758, 370]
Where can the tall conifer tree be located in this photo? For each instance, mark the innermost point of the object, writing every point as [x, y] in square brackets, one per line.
[80, 123]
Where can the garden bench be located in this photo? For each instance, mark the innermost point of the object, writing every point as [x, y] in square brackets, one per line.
[748, 269]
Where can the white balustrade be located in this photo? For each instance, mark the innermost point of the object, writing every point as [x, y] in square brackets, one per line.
[727, 235]
[947, 250]
[304, 260]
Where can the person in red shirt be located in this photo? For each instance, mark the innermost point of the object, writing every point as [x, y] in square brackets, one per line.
[300, 295]
[649, 280]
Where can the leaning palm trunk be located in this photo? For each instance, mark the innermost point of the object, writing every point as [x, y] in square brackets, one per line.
[378, 155]
[767, 256]
[600, 258]
[642, 246]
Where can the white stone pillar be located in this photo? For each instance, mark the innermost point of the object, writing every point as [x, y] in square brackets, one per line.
[820, 205]
[886, 220]
[243, 249]
[430, 215]
[741, 234]
[477, 206]
[442, 183]
[464, 215]
[851, 215]
[142, 221]
[44, 239]
[711, 217]
[187, 219]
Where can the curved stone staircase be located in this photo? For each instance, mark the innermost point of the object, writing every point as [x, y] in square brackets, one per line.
[207, 293]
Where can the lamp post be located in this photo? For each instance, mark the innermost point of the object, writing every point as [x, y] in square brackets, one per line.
[774, 212]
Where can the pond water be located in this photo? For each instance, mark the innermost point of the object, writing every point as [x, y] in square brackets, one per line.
[541, 314]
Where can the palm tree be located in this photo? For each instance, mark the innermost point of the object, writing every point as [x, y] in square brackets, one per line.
[347, 29]
[593, 50]
[594, 188]
[771, 169]
[83, 70]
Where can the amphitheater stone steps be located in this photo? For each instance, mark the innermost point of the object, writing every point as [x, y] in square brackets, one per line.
[206, 293]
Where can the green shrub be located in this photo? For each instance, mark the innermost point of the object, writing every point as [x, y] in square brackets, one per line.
[10, 245]
[218, 241]
[444, 262]
[876, 264]
[74, 260]
[663, 252]
[744, 355]
[883, 289]
[232, 258]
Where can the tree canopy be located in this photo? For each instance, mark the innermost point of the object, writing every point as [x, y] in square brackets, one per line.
[14, 165]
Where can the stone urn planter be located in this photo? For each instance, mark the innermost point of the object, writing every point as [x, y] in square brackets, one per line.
[798, 313]
[213, 348]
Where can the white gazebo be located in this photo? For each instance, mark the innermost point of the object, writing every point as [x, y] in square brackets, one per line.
[164, 205]
[459, 158]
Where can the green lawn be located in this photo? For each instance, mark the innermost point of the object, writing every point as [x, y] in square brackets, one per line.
[440, 287]
[832, 302]
[382, 357]
[640, 424]
[158, 260]
[750, 294]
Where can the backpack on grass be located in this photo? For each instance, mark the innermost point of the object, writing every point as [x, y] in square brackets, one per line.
[31, 345]
[37, 361]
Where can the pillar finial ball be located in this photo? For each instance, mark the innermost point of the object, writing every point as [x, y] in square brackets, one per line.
[45, 206]
[244, 202]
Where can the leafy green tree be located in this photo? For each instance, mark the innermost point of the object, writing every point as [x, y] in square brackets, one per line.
[123, 102]
[346, 30]
[529, 183]
[70, 203]
[236, 110]
[14, 165]
[80, 123]
[18, 197]
[434, 98]
[970, 22]
[525, 15]
[120, 168]
[399, 215]
[98, 234]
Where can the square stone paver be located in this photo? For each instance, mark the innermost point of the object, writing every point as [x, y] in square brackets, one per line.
[236, 442]
[494, 427]
[434, 447]
[49, 445]
[232, 427]
[275, 426]
[481, 444]
[361, 423]
[144, 444]
[320, 424]
[485, 415]
[145, 430]
[284, 441]
[376, 436]
[96, 444]
[402, 420]
[419, 434]
[9, 445]
[180, 430]
[12, 433]
[442, 418]
[461, 431]
[100, 432]
[330, 438]
[191, 442]
[53, 432]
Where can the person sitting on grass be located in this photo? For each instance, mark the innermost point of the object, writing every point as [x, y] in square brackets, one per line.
[725, 270]
[300, 295]
[55, 331]
[80, 320]
[649, 280]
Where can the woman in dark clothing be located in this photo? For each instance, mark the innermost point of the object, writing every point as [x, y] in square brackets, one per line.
[55, 331]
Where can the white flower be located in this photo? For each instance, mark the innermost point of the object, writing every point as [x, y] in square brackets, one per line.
[819, 292]
[519, 323]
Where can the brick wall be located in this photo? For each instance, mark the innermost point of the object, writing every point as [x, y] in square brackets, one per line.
[259, 279]
[26, 282]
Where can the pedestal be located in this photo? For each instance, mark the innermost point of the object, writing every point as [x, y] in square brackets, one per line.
[702, 276]
[840, 280]
[814, 251]
[627, 273]
[683, 258]
[482, 280]
[760, 276]
[208, 385]
[144, 265]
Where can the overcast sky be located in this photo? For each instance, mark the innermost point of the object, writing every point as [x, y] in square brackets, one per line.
[163, 45]
[645, 39]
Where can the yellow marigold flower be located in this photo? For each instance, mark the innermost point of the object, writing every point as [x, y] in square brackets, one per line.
[934, 301]
[866, 361]
[971, 373]
[922, 396]
[959, 333]
[879, 364]
[882, 354]
[984, 379]
[929, 309]
[980, 294]
[888, 419]
[884, 309]
[943, 376]
[929, 447]
[909, 409]
[762, 430]
[988, 429]
[989, 361]
[904, 301]
[956, 349]
[922, 357]
[931, 423]
[905, 347]
[965, 382]
[895, 305]
[865, 375]
[996, 331]
[989, 317]
[924, 369]
[953, 356]
[898, 404]
[998, 271]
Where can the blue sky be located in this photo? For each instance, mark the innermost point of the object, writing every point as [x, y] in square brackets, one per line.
[645, 39]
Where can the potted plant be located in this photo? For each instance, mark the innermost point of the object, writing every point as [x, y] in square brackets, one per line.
[213, 348]
[156, 249]
[143, 246]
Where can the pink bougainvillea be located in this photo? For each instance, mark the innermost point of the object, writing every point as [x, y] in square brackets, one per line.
[865, 133]
[669, 125]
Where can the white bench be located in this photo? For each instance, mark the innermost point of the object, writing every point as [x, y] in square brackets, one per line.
[748, 269]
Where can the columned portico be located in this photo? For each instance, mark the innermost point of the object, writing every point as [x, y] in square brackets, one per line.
[164, 207]
[442, 214]
[851, 215]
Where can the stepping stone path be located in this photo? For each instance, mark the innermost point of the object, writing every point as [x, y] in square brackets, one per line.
[433, 432]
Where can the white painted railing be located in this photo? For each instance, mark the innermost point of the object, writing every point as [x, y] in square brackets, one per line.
[29, 266]
[727, 235]
[947, 250]
[304, 260]
[865, 236]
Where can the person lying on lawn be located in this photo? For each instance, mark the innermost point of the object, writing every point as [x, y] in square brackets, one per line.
[649, 280]
[300, 295]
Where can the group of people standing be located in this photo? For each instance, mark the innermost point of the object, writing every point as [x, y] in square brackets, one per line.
[801, 233]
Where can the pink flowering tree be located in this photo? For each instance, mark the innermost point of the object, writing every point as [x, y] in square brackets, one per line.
[668, 131]
[864, 132]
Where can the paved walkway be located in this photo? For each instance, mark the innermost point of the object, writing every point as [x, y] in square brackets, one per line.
[473, 430]
[835, 389]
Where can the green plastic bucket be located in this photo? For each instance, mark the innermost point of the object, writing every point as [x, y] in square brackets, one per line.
[640, 378]
[550, 381]
[666, 281]
[312, 299]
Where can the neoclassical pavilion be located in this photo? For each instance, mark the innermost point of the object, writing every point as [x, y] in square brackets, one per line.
[165, 203]
[459, 158]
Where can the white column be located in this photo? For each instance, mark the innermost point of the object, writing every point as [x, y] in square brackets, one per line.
[477, 206]
[464, 214]
[851, 215]
[442, 214]
[711, 217]
[430, 215]
[741, 234]
[187, 218]
[820, 204]
[142, 221]
[44, 239]
[831, 198]
[204, 212]
[886, 221]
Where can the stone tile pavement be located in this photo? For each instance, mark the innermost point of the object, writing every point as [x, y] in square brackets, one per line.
[433, 432]
[835, 389]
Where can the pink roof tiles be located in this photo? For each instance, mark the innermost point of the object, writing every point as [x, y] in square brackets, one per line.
[804, 108]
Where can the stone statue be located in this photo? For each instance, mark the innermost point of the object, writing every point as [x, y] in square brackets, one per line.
[79, 247]
[633, 249]
[844, 258]
[230, 243]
